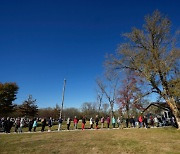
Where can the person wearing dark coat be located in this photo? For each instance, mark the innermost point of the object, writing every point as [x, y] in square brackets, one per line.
[145, 123]
[43, 122]
[50, 123]
[96, 121]
[7, 125]
[133, 122]
[83, 122]
[127, 122]
[30, 124]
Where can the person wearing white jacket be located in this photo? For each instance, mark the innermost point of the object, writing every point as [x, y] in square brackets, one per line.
[21, 125]
[91, 123]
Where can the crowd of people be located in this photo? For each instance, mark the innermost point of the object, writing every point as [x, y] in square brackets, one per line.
[6, 124]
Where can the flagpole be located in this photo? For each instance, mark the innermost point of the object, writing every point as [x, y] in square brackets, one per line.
[62, 104]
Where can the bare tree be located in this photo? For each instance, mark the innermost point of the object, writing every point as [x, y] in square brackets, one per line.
[89, 109]
[100, 95]
[152, 54]
[105, 108]
[109, 90]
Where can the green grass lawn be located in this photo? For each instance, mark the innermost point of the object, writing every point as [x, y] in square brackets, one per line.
[161, 140]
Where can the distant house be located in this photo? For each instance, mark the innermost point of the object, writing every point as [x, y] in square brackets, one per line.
[159, 109]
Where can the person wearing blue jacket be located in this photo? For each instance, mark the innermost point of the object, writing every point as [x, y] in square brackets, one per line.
[35, 124]
[113, 122]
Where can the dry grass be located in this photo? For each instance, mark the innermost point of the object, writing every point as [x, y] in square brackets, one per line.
[96, 141]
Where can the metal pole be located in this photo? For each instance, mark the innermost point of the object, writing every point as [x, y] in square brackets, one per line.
[61, 110]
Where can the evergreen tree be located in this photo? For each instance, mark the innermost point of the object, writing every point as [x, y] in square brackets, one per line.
[8, 93]
[29, 108]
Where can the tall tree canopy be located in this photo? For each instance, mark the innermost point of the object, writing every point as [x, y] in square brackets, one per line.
[151, 52]
[130, 94]
[8, 93]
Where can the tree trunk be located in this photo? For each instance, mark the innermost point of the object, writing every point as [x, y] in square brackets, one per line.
[127, 109]
[112, 106]
[172, 104]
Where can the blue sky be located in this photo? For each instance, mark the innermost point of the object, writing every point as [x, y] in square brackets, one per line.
[43, 42]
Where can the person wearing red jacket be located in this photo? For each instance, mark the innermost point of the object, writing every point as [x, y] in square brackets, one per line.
[75, 122]
[140, 121]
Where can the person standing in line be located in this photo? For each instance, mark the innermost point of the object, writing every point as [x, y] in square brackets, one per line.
[113, 121]
[96, 121]
[75, 122]
[173, 122]
[50, 123]
[133, 122]
[152, 121]
[91, 121]
[43, 122]
[156, 121]
[136, 122]
[2, 123]
[30, 125]
[102, 122]
[108, 121]
[140, 121]
[17, 125]
[83, 122]
[68, 123]
[21, 125]
[11, 122]
[127, 122]
[60, 123]
[7, 125]
[122, 122]
[118, 122]
[145, 122]
[35, 124]
[164, 121]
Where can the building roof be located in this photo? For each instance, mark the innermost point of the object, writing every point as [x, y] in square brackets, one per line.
[162, 105]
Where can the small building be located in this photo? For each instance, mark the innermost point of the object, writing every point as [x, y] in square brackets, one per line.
[160, 110]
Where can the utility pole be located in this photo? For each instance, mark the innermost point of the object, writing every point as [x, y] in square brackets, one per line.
[61, 110]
